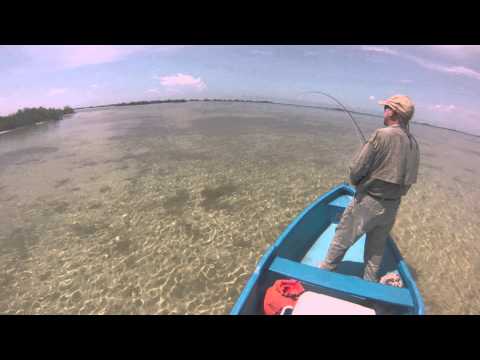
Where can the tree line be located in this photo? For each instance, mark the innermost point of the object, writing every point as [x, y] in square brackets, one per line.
[132, 103]
[30, 116]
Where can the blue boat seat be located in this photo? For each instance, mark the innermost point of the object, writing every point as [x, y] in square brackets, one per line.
[344, 284]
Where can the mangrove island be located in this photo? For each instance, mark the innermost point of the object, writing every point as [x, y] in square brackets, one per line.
[30, 116]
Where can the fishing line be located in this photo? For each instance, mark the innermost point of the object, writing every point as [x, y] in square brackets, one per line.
[359, 131]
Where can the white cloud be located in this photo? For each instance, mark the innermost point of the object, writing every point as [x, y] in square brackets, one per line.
[455, 70]
[371, 97]
[442, 108]
[98, 86]
[153, 91]
[261, 52]
[54, 92]
[406, 81]
[376, 49]
[457, 51]
[73, 56]
[310, 53]
[182, 81]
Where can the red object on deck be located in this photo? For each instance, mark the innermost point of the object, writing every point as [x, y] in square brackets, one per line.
[282, 293]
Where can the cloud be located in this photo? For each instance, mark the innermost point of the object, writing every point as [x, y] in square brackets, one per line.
[406, 81]
[98, 86]
[310, 53]
[443, 108]
[55, 92]
[182, 81]
[376, 49]
[371, 97]
[153, 91]
[454, 70]
[457, 51]
[73, 56]
[261, 52]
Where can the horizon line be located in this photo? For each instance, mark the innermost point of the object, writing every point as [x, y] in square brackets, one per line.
[150, 102]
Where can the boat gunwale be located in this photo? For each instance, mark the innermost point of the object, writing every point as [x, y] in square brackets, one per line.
[407, 276]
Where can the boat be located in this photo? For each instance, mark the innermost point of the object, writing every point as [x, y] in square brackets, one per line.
[304, 243]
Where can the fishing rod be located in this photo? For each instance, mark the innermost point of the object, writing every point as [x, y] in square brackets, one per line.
[359, 131]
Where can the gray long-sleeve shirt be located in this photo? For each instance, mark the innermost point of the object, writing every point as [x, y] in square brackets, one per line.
[387, 165]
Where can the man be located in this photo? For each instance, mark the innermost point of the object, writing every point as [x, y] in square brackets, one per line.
[383, 171]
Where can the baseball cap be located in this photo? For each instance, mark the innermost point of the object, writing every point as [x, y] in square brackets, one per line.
[402, 105]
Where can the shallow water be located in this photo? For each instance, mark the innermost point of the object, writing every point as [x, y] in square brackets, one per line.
[166, 208]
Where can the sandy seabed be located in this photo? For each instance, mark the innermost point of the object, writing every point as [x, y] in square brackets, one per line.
[166, 209]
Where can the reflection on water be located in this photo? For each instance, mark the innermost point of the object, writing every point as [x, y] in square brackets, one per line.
[163, 209]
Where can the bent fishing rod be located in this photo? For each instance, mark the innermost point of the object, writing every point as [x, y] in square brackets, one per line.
[359, 131]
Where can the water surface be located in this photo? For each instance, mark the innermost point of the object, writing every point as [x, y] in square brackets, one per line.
[166, 208]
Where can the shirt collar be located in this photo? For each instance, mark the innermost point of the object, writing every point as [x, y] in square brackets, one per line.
[397, 126]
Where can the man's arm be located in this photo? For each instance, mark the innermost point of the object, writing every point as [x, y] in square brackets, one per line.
[363, 161]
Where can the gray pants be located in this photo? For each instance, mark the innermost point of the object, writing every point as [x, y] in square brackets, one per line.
[365, 214]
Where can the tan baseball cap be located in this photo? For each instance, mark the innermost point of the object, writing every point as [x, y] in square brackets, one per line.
[402, 105]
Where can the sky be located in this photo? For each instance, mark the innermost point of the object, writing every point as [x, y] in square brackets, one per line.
[442, 80]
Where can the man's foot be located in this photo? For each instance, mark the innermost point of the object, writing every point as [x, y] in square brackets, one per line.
[324, 266]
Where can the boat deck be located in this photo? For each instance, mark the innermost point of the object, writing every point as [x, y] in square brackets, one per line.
[353, 261]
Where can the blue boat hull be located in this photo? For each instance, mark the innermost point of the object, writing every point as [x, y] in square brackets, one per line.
[304, 243]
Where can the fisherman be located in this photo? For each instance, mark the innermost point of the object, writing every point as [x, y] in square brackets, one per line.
[382, 172]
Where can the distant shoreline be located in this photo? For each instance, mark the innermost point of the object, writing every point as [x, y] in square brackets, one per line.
[134, 103]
